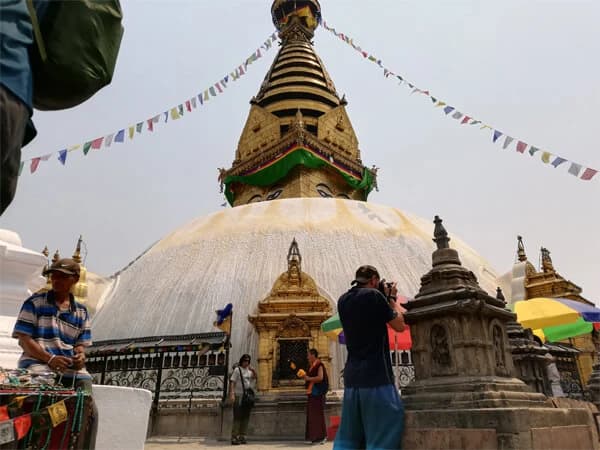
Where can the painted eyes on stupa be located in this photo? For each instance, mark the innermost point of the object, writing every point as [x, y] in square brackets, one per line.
[275, 194]
[324, 190]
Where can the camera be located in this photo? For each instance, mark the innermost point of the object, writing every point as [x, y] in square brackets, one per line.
[385, 287]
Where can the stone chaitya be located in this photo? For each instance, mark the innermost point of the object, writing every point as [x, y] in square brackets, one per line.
[465, 394]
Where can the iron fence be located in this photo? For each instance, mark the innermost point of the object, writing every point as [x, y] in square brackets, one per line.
[174, 368]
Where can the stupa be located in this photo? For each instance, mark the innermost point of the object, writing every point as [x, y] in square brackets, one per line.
[297, 174]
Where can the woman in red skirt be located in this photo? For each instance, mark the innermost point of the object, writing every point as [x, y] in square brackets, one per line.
[317, 385]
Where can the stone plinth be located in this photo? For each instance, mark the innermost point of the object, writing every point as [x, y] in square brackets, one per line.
[501, 428]
[465, 394]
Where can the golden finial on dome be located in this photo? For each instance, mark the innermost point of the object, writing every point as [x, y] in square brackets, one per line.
[521, 249]
[45, 252]
[56, 257]
[307, 12]
[77, 254]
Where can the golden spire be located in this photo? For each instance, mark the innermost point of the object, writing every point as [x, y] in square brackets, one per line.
[521, 249]
[56, 257]
[547, 265]
[77, 254]
[298, 140]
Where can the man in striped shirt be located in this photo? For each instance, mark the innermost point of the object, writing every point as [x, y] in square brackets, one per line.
[53, 329]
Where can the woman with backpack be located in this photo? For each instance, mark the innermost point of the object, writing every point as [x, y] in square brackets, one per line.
[242, 386]
[317, 385]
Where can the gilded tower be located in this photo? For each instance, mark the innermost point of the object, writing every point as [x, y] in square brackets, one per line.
[298, 140]
[547, 282]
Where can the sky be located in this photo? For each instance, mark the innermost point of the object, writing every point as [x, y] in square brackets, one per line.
[528, 69]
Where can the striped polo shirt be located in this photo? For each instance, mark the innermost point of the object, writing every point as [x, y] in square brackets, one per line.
[57, 331]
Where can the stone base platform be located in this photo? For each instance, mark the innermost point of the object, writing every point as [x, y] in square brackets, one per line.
[501, 429]
[276, 416]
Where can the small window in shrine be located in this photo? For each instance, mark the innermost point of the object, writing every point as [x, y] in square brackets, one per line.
[290, 351]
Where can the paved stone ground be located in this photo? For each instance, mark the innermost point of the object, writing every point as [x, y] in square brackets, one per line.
[197, 444]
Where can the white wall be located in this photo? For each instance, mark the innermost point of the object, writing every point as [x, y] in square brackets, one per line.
[122, 417]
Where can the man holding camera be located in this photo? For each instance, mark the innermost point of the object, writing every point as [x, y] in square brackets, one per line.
[372, 412]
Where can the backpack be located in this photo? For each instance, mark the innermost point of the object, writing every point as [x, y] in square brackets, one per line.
[77, 46]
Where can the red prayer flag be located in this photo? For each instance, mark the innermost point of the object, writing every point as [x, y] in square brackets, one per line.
[35, 162]
[589, 173]
[150, 125]
[188, 105]
[521, 146]
[97, 143]
[4, 413]
[22, 425]
[465, 120]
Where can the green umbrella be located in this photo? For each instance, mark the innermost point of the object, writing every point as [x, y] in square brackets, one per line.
[331, 324]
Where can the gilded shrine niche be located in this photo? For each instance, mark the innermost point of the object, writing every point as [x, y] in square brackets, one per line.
[288, 323]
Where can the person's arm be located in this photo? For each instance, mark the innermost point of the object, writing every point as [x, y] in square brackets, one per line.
[316, 379]
[79, 357]
[397, 323]
[232, 382]
[35, 350]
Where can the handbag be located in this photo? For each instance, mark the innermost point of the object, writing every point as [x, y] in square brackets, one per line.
[248, 396]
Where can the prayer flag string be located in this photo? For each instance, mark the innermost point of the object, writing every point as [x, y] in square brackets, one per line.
[578, 170]
[149, 125]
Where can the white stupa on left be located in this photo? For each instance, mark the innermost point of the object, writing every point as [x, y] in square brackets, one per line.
[20, 276]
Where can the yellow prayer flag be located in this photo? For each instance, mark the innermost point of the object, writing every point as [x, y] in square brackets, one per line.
[546, 157]
[131, 131]
[225, 325]
[440, 103]
[58, 413]
[18, 401]
[174, 114]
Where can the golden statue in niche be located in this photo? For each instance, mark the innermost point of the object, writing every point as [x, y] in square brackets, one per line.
[288, 323]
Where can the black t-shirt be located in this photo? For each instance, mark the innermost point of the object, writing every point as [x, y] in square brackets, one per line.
[364, 313]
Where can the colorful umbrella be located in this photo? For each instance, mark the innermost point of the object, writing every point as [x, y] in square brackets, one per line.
[561, 332]
[555, 319]
[398, 340]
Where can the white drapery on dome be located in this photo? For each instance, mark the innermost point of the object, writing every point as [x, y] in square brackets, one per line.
[235, 255]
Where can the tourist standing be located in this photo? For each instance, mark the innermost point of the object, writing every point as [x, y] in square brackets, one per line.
[317, 385]
[53, 329]
[372, 412]
[242, 379]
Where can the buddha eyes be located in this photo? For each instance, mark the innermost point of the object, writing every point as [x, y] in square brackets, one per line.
[275, 194]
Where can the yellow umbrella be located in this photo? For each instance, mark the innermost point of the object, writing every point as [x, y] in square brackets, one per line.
[545, 312]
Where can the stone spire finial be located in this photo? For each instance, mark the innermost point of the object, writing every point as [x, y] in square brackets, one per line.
[521, 249]
[77, 254]
[56, 257]
[500, 294]
[440, 235]
[547, 265]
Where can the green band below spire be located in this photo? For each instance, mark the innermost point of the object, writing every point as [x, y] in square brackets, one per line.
[280, 168]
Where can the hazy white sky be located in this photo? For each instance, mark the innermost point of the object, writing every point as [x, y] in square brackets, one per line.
[528, 68]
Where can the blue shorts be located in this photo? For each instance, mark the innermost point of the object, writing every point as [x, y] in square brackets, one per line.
[372, 418]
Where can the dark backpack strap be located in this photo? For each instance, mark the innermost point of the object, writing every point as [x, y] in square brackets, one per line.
[242, 379]
[36, 30]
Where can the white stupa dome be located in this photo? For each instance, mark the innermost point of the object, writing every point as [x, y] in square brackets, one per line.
[235, 255]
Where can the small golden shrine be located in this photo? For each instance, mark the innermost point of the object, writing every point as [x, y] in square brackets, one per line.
[288, 325]
[547, 282]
